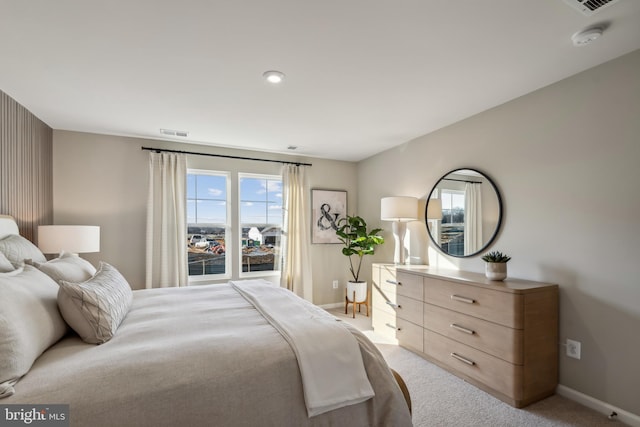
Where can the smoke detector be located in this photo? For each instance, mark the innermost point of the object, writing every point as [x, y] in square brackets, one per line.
[585, 37]
[590, 7]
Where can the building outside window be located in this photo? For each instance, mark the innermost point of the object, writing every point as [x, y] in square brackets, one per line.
[260, 223]
[208, 225]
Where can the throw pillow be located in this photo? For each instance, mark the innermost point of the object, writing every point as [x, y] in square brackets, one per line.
[68, 267]
[29, 322]
[95, 308]
[17, 249]
[5, 264]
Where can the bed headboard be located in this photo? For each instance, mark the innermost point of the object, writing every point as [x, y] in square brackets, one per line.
[8, 226]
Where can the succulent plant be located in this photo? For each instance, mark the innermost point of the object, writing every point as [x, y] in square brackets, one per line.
[496, 256]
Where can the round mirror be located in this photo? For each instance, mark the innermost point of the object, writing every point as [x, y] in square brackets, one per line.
[463, 212]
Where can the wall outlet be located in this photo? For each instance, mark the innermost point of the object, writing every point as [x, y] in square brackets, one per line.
[573, 349]
[335, 284]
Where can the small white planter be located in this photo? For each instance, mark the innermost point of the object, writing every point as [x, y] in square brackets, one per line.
[360, 289]
[495, 270]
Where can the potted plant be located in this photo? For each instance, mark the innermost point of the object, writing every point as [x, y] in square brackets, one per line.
[496, 265]
[358, 241]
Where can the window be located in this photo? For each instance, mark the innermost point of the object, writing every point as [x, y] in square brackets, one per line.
[208, 224]
[260, 222]
[214, 225]
[452, 230]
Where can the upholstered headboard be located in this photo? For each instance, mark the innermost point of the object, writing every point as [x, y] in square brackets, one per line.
[8, 226]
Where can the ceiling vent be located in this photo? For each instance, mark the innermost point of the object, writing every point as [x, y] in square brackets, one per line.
[590, 7]
[170, 132]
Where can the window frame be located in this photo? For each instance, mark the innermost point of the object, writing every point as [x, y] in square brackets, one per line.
[228, 228]
[450, 226]
[278, 258]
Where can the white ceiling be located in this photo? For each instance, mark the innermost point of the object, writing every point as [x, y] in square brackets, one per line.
[362, 76]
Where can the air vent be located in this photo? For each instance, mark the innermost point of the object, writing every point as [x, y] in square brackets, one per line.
[170, 132]
[590, 7]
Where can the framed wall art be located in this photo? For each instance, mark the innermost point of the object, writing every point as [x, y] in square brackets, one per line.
[327, 207]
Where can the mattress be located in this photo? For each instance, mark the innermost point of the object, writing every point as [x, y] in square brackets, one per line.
[197, 356]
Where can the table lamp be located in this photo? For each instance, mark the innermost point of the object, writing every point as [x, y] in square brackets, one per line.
[400, 210]
[53, 239]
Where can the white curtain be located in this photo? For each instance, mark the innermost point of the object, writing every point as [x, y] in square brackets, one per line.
[296, 267]
[472, 218]
[166, 221]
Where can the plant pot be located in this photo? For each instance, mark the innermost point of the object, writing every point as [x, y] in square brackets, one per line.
[360, 289]
[495, 270]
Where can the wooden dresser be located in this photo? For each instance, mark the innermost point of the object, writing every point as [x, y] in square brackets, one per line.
[500, 336]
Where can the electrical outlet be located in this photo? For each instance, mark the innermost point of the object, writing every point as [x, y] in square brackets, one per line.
[573, 349]
[335, 284]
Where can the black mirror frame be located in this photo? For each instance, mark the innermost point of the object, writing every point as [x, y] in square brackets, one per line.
[498, 225]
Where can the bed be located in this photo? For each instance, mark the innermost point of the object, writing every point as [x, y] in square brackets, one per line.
[194, 356]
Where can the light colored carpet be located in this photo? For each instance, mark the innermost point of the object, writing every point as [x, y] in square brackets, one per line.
[442, 399]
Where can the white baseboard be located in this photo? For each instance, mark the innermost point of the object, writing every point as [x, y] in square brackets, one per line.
[333, 305]
[604, 408]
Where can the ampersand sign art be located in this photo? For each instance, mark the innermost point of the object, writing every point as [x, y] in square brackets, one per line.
[328, 206]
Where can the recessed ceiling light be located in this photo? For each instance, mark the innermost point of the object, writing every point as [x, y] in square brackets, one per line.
[583, 38]
[273, 76]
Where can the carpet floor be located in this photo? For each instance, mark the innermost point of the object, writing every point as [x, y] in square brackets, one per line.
[442, 399]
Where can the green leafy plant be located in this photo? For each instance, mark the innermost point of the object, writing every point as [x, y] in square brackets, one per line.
[352, 232]
[496, 256]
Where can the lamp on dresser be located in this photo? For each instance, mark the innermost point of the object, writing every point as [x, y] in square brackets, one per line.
[76, 239]
[400, 210]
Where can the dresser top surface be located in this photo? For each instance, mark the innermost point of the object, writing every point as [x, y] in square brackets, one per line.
[468, 277]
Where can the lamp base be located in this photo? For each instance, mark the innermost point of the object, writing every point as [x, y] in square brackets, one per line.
[399, 230]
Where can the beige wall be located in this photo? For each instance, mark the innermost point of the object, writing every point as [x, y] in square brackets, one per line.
[102, 180]
[565, 159]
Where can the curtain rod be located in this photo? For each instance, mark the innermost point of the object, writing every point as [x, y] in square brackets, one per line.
[158, 150]
[462, 180]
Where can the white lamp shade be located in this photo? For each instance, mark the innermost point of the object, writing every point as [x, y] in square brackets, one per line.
[53, 239]
[399, 208]
[434, 209]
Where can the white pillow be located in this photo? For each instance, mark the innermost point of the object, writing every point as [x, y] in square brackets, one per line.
[95, 308]
[68, 267]
[29, 322]
[17, 249]
[5, 264]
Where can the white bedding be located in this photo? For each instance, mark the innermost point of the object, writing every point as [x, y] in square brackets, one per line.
[197, 356]
[328, 355]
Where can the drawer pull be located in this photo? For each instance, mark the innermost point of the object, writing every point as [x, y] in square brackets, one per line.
[463, 359]
[393, 282]
[462, 299]
[462, 329]
[393, 305]
[392, 326]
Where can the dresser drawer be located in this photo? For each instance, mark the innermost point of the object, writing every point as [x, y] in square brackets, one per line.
[381, 295]
[384, 324]
[404, 308]
[409, 335]
[389, 326]
[409, 285]
[497, 340]
[495, 306]
[495, 373]
[410, 309]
